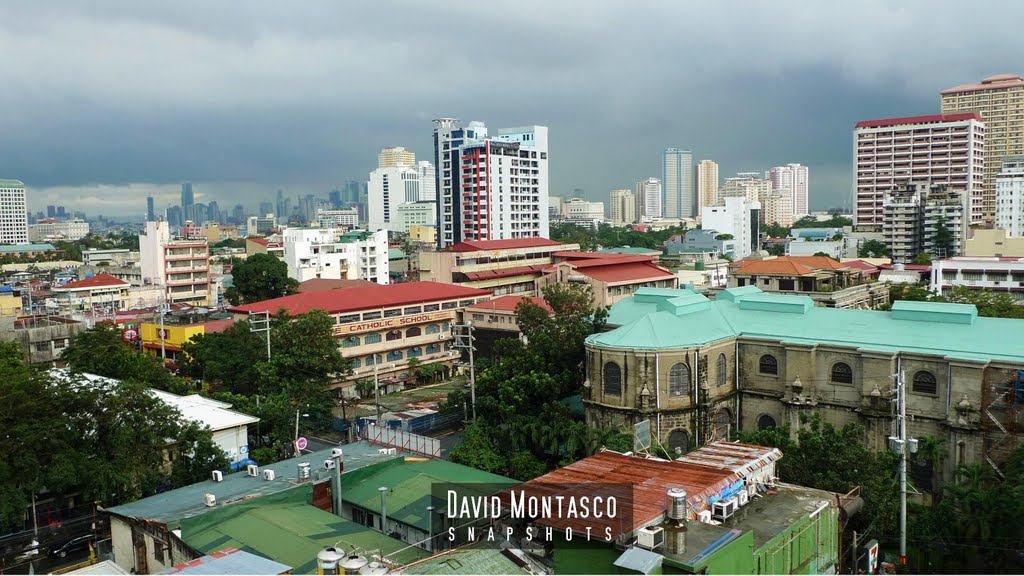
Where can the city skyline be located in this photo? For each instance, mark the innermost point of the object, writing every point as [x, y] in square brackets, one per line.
[241, 109]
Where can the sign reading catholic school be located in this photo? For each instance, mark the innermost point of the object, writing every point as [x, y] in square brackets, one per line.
[391, 322]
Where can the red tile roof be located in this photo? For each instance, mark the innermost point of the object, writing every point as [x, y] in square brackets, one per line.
[217, 326]
[508, 303]
[998, 81]
[573, 255]
[97, 281]
[613, 260]
[919, 119]
[787, 265]
[861, 265]
[320, 284]
[476, 245]
[352, 299]
[625, 272]
[504, 272]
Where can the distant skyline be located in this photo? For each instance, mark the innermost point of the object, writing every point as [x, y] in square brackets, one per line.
[110, 101]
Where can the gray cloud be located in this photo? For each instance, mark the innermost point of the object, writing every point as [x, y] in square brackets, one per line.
[106, 99]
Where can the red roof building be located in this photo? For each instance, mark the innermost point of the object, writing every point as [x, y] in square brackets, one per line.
[500, 313]
[509, 244]
[102, 291]
[828, 282]
[612, 277]
[321, 284]
[502, 266]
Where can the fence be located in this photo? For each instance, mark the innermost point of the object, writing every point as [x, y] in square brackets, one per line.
[405, 441]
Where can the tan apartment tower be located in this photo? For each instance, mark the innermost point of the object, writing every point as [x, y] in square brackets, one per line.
[707, 184]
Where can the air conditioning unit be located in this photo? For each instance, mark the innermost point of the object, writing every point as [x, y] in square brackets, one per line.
[651, 537]
[268, 474]
[253, 470]
[724, 508]
[218, 476]
[329, 464]
[337, 453]
[390, 451]
[704, 516]
[743, 498]
[209, 499]
[382, 451]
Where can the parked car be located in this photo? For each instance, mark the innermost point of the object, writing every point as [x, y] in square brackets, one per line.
[73, 545]
[28, 552]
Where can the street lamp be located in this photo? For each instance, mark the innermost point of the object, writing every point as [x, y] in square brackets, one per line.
[297, 426]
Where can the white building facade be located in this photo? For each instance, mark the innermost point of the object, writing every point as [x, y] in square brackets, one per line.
[13, 213]
[50, 231]
[996, 274]
[648, 199]
[181, 267]
[584, 213]
[422, 213]
[490, 187]
[739, 217]
[336, 255]
[337, 217]
[939, 149]
[1009, 213]
[388, 188]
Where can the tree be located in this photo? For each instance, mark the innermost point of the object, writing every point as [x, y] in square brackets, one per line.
[197, 455]
[874, 249]
[259, 277]
[922, 259]
[478, 450]
[942, 239]
[724, 237]
[228, 359]
[101, 351]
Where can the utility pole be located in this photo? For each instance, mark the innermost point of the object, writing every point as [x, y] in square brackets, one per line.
[260, 322]
[900, 443]
[163, 333]
[376, 386]
[464, 341]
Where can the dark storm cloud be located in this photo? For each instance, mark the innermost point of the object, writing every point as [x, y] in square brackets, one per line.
[105, 101]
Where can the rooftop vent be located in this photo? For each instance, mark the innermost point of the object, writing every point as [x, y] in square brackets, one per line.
[218, 476]
[209, 500]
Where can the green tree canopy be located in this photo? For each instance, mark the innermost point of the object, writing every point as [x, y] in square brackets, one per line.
[101, 351]
[874, 249]
[259, 277]
[228, 359]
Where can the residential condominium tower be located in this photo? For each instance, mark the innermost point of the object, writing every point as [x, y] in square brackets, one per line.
[707, 184]
[677, 184]
[13, 213]
[622, 207]
[490, 187]
[1000, 102]
[1010, 196]
[791, 180]
[648, 199]
[945, 149]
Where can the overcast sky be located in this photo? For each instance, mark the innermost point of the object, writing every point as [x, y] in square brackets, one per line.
[104, 102]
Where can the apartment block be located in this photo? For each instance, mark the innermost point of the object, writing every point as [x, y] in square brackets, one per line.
[1009, 209]
[502, 266]
[182, 267]
[739, 217]
[947, 149]
[912, 214]
[648, 199]
[334, 254]
[680, 199]
[490, 187]
[791, 181]
[584, 213]
[996, 274]
[999, 100]
[50, 230]
[13, 213]
[337, 217]
[622, 207]
[707, 184]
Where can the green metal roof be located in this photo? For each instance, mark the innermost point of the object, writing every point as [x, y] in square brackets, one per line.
[952, 330]
[8, 248]
[286, 528]
[480, 558]
[410, 485]
[11, 184]
[187, 501]
[395, 254]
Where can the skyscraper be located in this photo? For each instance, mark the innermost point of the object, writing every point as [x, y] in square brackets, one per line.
[51, 211]
[395, 156]
[999, 100]
[265, 209]
[678, 184]
[622, 207]
[648, 199]
[428, 181]
[490, 187]
[334, 198]
[1010, 196]
[13, 213]
[707, 184]
[150, 215]
[938, 149]
[792, 180]
[282, 206]
[389, 187]
[187, 202]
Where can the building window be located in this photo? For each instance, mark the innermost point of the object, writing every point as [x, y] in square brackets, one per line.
[479, 317]
[371, 316]
[356, 363]
[60, 343]
[765, 421]
[370, 360]
[413, 310]
[842, 373]
[722, 369]
[679, 442]
[449, 305]
[413, 332]
[431, 308]
[393, 313]
[394, 355]
[768, 365]
[433, 329]
[433, 348]
[924, 382]
[348, 318]
[371, 339]
[612, 379]
[350, 342]
[678, 380]
[414, 352]
[394, 335]
[723, 424]
[42, 346]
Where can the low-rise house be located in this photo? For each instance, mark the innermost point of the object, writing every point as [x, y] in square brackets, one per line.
[702, 240]
[509, 266]
[42, 338]
[993, 274]
[102, 290]
[828, 282]
[612, 277]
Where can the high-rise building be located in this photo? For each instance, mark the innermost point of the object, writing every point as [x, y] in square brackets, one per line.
[389, 187]
[150, 213]
[395, 156]
[238, 212]
[1000, 101]
[677, 183]
[13, 213]
[584, 213]
[648, 199]
[945, 149]
[265, 209]
[428, 181]
[1010, 196]
[739, 217]
[174, 216]
[336, 254]
[334, 198]
[61, 213]
[792, 180]
[622, 207]
[188, 201]
[707, 184]
[51, 211]
[912, 215]
[490, 187]
[773, 207]
[181, 267]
